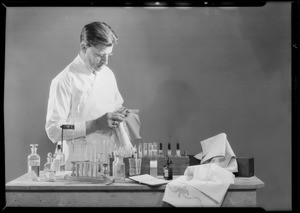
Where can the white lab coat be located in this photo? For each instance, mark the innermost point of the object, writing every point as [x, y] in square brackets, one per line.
[77, 95]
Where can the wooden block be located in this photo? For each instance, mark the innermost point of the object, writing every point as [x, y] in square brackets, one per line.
[245, 167]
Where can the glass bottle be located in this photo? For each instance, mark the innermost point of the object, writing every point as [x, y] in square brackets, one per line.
[178, 150]
[168, 170]
[59, 160]
[34, 162]
[153, 162]
[169, 149]
[49, 171]
[119, 170]
[160, 152]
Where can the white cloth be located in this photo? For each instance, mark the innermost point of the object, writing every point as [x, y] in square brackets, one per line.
[77, 95]
[217, 150]
[200, 186]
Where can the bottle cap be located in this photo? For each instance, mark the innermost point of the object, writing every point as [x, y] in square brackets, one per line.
[177, 146]
[169, 145]
[160, 146]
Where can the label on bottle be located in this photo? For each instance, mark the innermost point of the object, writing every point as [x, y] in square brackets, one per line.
[33, 163]
[166, 173]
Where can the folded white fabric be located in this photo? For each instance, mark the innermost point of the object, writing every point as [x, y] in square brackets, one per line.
[217, 150]
[200, 186]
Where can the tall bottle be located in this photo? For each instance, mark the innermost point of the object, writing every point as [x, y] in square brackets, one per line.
[59, 160]
[178, 150]
[168, 170]
[34, 162]
[153, 161]
[169, 149]
[49, 171]
[160, 152]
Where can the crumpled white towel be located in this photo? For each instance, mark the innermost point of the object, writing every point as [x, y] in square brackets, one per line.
[217, 150]
[200, 186]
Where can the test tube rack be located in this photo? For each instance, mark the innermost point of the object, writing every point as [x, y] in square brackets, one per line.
[86, 171]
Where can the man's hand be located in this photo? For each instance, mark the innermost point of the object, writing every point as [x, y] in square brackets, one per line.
[104, 123]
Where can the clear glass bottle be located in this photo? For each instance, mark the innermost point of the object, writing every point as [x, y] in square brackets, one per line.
[34, 162]
[168, 170]
[119, 169]
[59, 160]
[153, 163]
[49, 171]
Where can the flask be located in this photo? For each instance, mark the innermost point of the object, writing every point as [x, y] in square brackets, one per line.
[168, 170]
[49, 171]
[178, 150]
[119, 170]
[34, 162]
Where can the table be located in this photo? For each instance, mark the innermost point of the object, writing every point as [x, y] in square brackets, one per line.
[64, 193]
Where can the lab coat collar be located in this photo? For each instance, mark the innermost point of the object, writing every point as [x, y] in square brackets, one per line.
[81, 62]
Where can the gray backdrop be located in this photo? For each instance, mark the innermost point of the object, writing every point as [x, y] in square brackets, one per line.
[193, 73]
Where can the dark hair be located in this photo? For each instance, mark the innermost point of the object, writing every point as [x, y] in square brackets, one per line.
[98, 33]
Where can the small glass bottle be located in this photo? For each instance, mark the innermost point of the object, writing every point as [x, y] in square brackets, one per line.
[169, 149]
[160, 152]
[119, 170]
[49, 171]
[61, 157]
[153, 162]
[34, 162]
[56, 161]
[168, 170]
[178, 150]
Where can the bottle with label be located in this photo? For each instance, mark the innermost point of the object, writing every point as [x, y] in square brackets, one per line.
[168, 170]
[169, 149]
[178, 150]
[160, 152]
[34, 162]
[119, 170]
[153, 162]
[49, 171]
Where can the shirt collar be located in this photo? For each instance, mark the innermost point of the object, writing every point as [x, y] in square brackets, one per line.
[85, 65]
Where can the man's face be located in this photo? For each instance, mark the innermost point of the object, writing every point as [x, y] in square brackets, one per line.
[97, 56]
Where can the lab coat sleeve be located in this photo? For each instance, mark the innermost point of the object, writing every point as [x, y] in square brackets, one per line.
[118, 97]
[59, 105]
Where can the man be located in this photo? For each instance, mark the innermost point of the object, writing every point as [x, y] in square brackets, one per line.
[85, 94]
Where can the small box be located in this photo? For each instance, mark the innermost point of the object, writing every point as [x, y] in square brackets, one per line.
[245, 167]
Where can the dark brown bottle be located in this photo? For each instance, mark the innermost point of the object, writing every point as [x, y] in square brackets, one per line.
[168, 170]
